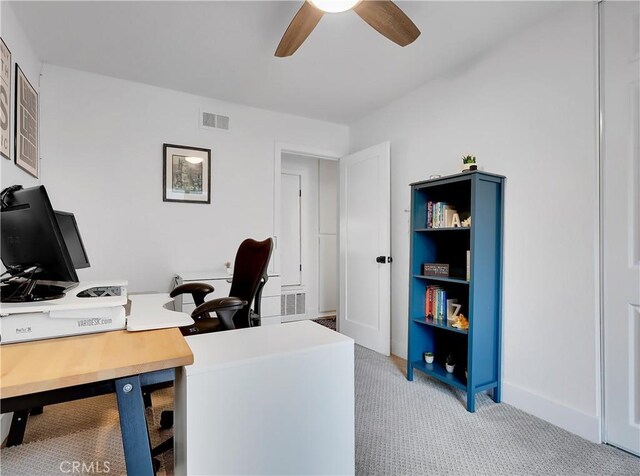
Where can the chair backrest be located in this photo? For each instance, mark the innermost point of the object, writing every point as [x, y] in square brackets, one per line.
[249, 271]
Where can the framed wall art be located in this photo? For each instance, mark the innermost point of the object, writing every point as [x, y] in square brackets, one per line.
[26, 125]
[186, 174]
[5, 99]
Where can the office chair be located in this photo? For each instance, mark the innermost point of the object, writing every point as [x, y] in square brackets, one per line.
[234, 312]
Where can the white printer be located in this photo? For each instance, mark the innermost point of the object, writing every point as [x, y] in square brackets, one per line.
[96, 306]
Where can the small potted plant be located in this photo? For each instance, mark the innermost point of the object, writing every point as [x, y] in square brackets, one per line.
[450, 363]
[428, 357]
[469, 163]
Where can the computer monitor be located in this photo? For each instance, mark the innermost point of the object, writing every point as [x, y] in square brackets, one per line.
[34, 247]
[71, 234]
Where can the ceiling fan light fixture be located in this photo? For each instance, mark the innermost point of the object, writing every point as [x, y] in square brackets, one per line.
[334, 6]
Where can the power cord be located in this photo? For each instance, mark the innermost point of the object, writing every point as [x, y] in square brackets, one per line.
[31, 271]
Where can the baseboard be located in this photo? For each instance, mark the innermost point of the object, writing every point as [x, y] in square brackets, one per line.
[5, 425]
[399, 348]
[294, 317]
[268, 321]
[325, 314]
[570, 419]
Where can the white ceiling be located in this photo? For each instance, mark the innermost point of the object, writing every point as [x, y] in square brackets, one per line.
[224, 50]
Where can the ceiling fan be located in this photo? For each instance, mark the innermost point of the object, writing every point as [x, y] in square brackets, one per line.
[383, 15]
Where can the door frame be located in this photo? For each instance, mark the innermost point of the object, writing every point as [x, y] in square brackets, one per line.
[599, 271]
[304, 151]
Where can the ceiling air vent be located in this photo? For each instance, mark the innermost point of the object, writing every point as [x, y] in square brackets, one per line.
[210, 120]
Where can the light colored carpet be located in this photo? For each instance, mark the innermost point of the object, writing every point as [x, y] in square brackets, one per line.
[402, 428]
[82, 431]
[422, 427]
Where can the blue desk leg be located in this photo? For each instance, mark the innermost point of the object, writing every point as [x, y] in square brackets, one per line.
[135, 435]
[18, 427]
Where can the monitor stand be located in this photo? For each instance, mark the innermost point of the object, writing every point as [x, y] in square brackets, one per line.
[30, 291]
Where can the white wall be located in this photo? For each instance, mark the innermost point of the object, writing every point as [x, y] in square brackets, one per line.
[23, 54]
[102, 160]
[10, 174]
[527, 110]
[328, 236]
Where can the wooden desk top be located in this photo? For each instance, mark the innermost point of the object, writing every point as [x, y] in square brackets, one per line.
[30, 367]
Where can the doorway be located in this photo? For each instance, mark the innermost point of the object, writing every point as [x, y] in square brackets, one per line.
[308, 236]
[349, 239]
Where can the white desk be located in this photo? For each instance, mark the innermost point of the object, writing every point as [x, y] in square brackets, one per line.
[267, 400]
[221, 281]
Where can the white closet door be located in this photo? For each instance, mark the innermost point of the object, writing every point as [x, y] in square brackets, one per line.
[291, 228]
[621, 175]
[365, 247]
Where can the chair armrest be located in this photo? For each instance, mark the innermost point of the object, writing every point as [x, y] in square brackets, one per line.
[197, 290]
[219, 304]
[224, 307]
[191, 288]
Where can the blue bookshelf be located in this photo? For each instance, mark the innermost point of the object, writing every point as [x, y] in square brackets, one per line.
[478, 195]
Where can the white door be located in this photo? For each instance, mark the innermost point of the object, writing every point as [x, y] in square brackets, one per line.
[290, 237]
[621, 174]
[365, 239]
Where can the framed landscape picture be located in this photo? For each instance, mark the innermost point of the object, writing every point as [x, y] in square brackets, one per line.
[5, 98]
[186, 174]
[26, 140]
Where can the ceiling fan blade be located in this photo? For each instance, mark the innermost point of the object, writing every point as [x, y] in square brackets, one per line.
[299, 29]
[387, 18]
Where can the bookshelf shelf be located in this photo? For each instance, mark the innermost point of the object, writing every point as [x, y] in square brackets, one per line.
[438, 278]
[432, 322]
[438, 371]
[449, 228]
[475, 251]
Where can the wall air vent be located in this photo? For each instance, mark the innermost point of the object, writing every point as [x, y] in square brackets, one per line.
[293, 304]
[209, 120]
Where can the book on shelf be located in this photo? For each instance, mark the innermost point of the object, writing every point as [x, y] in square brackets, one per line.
[430, 301]
[440, 270]
[468, 265]
[427, 303]
[436, 303]
[447, 215]
[440, 215]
